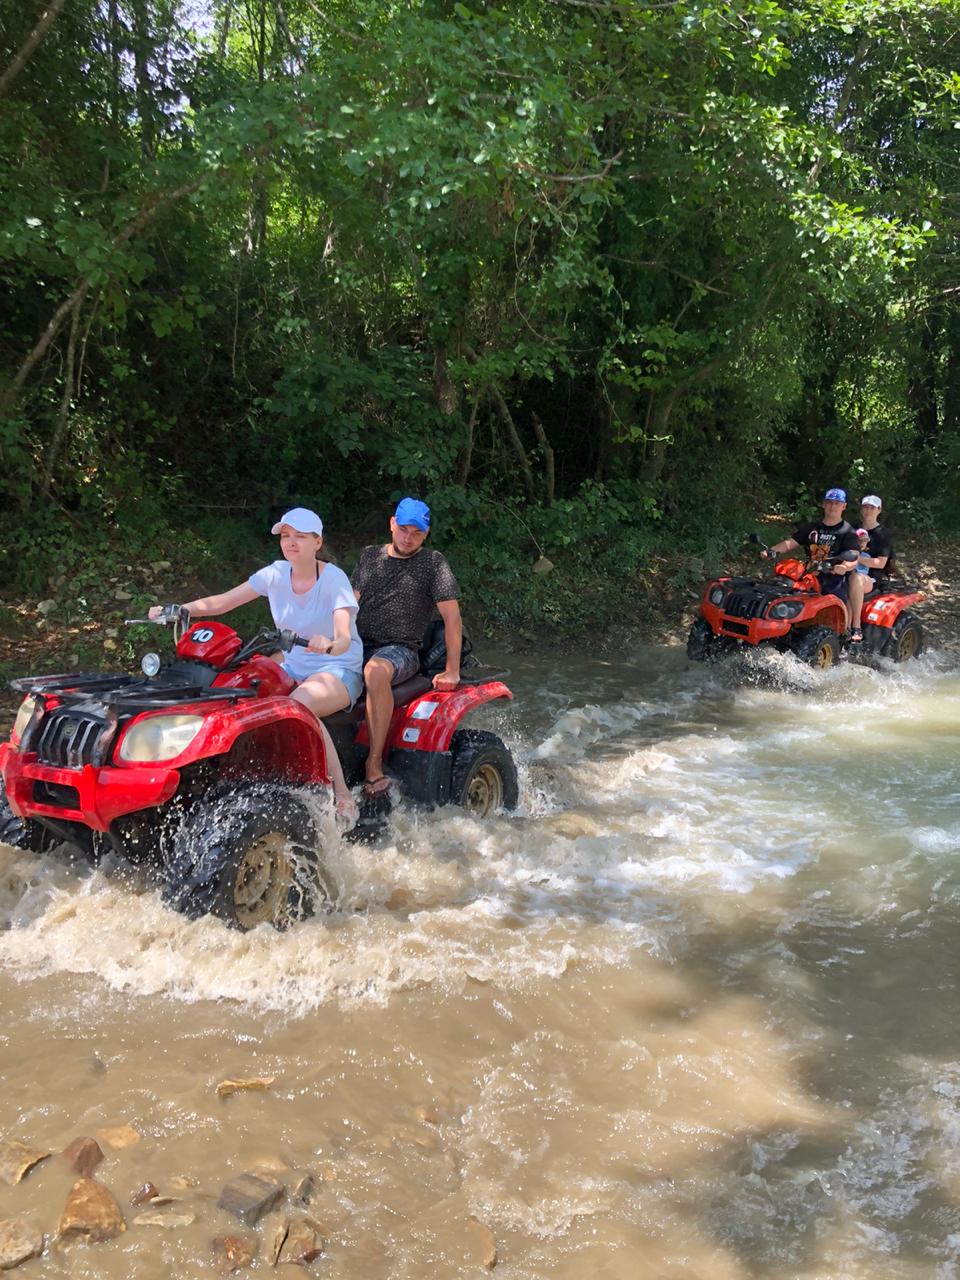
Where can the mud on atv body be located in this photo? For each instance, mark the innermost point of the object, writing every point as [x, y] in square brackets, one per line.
[205, 770]
[790, 613]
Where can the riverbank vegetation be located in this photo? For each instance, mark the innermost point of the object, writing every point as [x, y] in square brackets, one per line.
[602, 281]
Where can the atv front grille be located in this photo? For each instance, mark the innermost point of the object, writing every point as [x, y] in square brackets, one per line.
[745, 604]
[68, 739]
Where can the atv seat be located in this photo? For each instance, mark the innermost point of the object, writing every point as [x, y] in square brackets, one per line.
[407, 691]
[402, 694]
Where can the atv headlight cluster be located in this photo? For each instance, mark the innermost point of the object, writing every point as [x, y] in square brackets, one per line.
[786, 609]
[716, 595]
[159, 738]
[24, 715]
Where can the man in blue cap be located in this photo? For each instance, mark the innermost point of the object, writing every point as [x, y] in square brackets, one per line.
[399, 585]
[825, 538]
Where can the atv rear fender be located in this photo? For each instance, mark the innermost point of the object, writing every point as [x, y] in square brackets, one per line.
[430, 721]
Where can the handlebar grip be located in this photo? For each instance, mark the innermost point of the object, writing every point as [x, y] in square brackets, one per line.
[300, 641]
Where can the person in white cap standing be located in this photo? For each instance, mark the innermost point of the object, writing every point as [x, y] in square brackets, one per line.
[877, 561]
[315, 600]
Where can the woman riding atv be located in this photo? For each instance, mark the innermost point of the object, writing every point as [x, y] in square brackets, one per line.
[315, 599]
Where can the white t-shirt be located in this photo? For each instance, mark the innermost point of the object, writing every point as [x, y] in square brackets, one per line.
[311, 614]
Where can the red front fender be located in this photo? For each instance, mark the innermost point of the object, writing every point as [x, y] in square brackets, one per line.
[269, 737]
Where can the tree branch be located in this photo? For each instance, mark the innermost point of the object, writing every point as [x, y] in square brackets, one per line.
[570, 177]
[75, 300]
[29, 46]
[843, 102]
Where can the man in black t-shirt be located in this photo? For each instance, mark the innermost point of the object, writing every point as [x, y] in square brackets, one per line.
[823, 539]
[399, 586]
[879, 556]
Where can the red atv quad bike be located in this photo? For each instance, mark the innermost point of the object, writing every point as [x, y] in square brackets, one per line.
[790, 612]
[203, 767]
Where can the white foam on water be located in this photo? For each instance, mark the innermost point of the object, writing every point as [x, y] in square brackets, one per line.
[629, 812]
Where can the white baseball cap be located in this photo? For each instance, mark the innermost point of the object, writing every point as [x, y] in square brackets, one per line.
[301, 519]
[871, 500]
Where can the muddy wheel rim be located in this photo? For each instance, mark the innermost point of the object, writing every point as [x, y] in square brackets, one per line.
[262, 885]
[485, 792]
[908, 645]
[824, 655]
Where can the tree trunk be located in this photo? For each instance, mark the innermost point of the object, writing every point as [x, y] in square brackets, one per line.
[922, 391]
[548, 459]
[513, 436]
[466, 458]
[141, 70]
[951, 377]
[63, 418]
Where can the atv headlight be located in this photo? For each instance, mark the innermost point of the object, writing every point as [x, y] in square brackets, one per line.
[27, 707]
[716, 595]
[786, 609]
[159, 738]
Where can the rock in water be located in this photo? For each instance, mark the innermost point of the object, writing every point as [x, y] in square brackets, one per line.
[91, 1213]
[304, 1242]
[303, 1191]
[249, 1197]
[119, 1136]
[252, 1084]
[230, 1253]
[275, 1229]
[144, 1194]
[19, 1241]
[83, 1155]
[17, 1159]
[168, 1219]
[481, 1246]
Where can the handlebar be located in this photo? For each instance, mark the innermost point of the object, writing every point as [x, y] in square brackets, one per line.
[177, 615]
[845, 557]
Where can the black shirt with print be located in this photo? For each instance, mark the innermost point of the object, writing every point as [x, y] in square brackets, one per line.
[398, 594]
[880, 545]
[822, 541]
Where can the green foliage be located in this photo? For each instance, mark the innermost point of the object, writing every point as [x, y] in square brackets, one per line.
[705, 254]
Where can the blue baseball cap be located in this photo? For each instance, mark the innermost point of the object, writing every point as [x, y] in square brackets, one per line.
[412, 511]
[835, 495]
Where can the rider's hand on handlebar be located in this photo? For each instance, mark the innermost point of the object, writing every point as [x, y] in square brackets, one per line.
[319, 644]
[165, 613]
[765, 554]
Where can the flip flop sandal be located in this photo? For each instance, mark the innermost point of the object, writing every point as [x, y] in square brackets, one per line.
[378, 787]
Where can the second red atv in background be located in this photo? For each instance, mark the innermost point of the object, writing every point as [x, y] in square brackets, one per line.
[204, 767]
[791, 613]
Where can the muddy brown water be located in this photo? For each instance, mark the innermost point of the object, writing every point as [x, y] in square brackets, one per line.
[692, 1012]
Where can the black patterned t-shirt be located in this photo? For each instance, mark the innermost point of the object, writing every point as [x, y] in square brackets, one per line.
[398, 594]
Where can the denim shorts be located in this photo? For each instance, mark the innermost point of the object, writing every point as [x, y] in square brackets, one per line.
[405, 662]
[351, 680]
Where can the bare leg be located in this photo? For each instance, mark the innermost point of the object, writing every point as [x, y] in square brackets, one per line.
[856, 590]
[323, 694]
[378, 674]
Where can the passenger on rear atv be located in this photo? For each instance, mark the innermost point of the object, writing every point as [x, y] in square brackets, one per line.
[824, 539]
[314, 599]
[400, 585]
[877, 563]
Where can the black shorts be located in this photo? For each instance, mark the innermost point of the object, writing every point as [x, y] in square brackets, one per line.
[837, 587]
